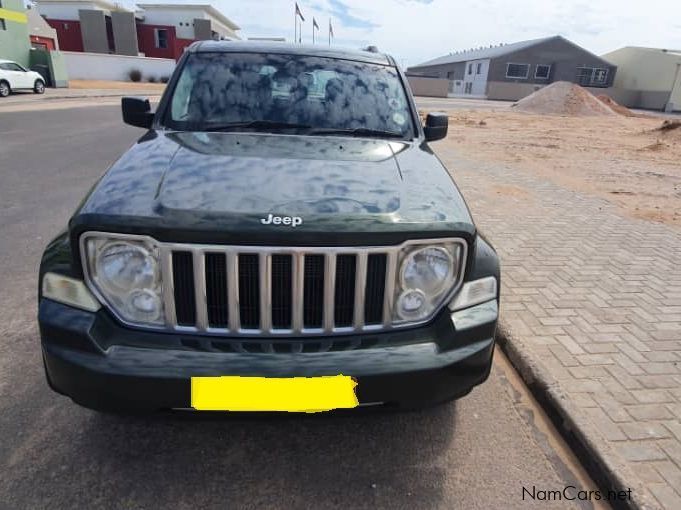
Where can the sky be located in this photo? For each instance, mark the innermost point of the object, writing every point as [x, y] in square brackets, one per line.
[414, 31]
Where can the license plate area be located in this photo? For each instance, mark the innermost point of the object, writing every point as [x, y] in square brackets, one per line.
[287, 394]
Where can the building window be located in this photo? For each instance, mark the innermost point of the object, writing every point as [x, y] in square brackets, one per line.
[66, 26]
[542, 72]
[592, 76]
[161, 38]
[520, 71]
[478, 68]
[600, 76]
[470, 68]
[468, 88]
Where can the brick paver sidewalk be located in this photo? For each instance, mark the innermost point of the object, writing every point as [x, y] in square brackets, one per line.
[591, 300]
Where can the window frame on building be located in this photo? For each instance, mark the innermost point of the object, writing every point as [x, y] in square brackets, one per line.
[478, 68]
[588, 78]
[157, 38]
[602, 81]
[543, 66]
[527, 71]
[470, 68]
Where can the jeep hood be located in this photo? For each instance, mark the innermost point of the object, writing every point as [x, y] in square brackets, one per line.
[222, 184]
[285, 175]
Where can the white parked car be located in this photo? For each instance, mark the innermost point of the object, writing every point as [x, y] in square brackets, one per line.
[16, 77]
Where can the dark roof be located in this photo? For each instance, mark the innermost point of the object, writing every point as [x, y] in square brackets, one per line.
[290, 49]
[494, 52]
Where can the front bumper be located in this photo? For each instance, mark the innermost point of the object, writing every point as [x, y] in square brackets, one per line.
[103, 365]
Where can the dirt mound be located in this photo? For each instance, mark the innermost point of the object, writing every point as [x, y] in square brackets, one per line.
[669, 131]
[615, 106]
[564, 98]
[669, 125]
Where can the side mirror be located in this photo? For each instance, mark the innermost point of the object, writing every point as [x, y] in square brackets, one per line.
[137, 112]
[436, 126]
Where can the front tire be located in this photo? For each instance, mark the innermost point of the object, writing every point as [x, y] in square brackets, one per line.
[39, 87]
[4, 89]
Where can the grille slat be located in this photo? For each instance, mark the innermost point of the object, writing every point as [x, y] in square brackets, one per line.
[265, 281]
[329, 291]
[360, 290]
[168, 287]
[388, 295]
[200, 290]
[298, 290]
[270, 291]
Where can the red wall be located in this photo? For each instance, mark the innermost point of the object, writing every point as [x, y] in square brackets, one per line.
[49, 43]
[180, 45]
[69, 39]
[147, 43]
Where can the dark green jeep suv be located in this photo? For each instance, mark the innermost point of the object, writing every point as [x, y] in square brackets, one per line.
[282, 218]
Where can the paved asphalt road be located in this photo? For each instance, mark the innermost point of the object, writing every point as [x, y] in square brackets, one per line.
[477, 453]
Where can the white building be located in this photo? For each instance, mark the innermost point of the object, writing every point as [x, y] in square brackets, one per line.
[68, 9]
[182, 17]
[647, 77]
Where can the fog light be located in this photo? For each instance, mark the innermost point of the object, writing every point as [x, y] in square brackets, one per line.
[411, 304]
[475, 292]
[69, 291]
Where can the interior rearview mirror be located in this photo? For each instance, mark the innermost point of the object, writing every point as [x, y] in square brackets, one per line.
[137, 112]
[436, 126]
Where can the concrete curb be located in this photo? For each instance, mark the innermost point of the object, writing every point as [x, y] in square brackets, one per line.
[608, 470]
[84, 97]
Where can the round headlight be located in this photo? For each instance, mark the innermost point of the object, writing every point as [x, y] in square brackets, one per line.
[427, 269]
[123, 267]
[145, 305]
[411, 304]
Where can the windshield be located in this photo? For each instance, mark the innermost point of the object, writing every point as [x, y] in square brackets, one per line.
[268, 92]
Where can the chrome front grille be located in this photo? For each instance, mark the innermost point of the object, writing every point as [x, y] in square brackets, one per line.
[237, 290]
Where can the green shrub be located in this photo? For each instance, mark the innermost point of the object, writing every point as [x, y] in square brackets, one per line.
[151, 79]
[135, 75]
[165, 79]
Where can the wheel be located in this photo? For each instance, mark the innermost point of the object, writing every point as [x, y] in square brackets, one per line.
[39, 87]
[4, 89]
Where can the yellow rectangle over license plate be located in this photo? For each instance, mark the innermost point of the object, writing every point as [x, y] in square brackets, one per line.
[290, 394]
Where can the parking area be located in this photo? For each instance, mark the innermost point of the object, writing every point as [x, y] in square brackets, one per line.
[585, 213]
[478, 453]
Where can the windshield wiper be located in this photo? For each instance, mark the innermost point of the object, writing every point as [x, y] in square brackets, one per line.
[255, 124]
[379, 133]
